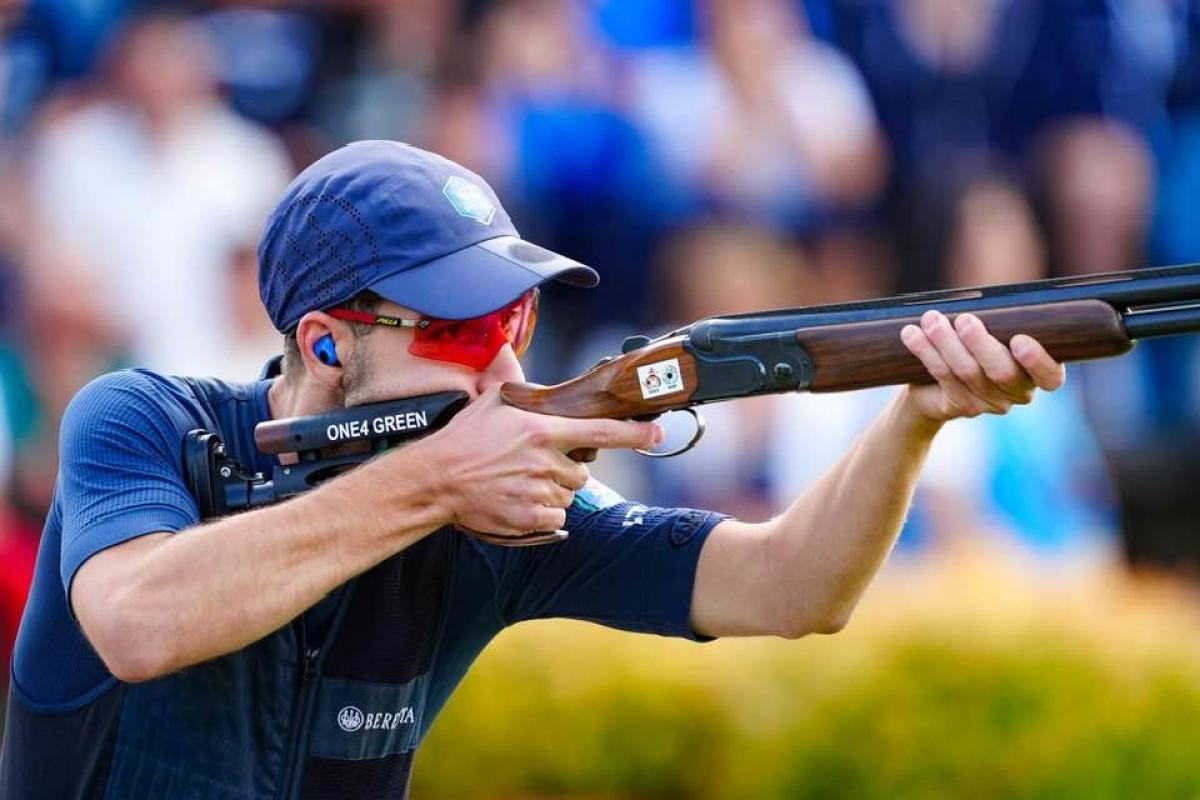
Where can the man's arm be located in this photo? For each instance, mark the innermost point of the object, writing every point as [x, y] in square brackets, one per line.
[804, 571]
[164, 601]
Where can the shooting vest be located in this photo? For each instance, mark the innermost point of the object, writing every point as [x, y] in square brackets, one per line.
[285, 718]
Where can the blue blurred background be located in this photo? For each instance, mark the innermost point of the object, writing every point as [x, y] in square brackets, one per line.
[706, 156]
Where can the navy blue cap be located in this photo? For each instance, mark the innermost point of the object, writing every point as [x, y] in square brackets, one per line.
[410, 225]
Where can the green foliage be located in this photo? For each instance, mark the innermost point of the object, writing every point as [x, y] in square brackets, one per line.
[561, 710]
[936, 722]
[517, 728]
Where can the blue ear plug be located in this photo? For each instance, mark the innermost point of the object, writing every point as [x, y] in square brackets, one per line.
[326, 352]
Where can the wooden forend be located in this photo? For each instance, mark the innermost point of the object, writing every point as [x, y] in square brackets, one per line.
[861, 355]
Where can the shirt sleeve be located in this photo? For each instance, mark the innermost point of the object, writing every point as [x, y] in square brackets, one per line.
[120, 471]
[624, 565]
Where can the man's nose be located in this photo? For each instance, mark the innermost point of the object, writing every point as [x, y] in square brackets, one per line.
[504, 368]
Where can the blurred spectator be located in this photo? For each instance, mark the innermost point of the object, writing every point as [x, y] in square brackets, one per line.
[945, 77]
[649, 23]
[1035, 475]
[553, 130]
[1105, 58]
[1145, 410]
[18, 551]
[59, 350]
[1176, 234]
[265, 60]
[1146, 406]
[68, 339]
[963, 86]
[47, 41]
[1098, 180]
[764, 119]
[380, 84]
[72, 33]
[1151, 425]
[253, 335]
[944, 74]
[159, 183]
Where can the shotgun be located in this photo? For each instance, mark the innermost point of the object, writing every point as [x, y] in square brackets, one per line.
[831, 348]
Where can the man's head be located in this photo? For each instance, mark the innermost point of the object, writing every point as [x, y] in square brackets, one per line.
[383, 228]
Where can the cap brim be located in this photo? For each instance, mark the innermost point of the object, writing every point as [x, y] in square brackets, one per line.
[481, 278]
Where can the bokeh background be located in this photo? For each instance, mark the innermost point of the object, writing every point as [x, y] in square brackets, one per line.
[1036, 633]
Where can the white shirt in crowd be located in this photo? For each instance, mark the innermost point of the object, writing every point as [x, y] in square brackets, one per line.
[160, 219]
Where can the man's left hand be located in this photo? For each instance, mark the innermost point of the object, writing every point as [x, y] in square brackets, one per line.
[975, 372]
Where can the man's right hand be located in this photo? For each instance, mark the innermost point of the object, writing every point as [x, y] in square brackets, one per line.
[505, 472]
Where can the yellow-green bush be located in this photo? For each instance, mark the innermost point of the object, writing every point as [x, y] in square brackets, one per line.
[1022, 693]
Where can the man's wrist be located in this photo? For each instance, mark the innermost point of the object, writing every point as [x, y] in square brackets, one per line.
[390, 503]
[426, 473]
[915, 423]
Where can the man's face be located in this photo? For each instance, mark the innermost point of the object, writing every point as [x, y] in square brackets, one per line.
[381, 368]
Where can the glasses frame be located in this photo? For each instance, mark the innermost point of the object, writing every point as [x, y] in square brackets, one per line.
[423, 322]
[386, 320]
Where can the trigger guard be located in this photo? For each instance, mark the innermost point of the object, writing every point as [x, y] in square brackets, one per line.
[696, 437]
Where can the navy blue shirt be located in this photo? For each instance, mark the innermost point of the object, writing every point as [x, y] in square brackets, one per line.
[624, 565]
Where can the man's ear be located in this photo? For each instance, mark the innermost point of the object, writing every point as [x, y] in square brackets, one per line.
[313, 327]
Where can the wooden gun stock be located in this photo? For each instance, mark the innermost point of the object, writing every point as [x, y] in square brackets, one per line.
[611, 389]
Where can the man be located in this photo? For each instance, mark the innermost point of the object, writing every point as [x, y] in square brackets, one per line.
[303, 649]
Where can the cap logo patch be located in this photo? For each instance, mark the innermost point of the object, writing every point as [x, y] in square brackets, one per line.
[469, 200]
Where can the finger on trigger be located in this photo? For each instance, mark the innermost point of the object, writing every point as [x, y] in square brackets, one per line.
[608, 433]
[995, 359]
[1046, 372]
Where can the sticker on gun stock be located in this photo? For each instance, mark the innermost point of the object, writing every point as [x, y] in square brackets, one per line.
[659, 378]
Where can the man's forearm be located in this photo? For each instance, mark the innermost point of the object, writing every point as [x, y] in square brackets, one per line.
[825, 548]
[804, 571]
[183, 598]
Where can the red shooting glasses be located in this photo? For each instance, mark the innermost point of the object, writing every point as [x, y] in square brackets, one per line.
[472, 342]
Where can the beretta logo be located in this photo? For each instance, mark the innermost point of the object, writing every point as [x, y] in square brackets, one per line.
[350, 719]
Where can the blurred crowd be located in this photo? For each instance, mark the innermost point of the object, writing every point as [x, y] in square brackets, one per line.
[706, 156]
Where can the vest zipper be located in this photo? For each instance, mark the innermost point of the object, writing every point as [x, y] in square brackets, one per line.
[310, 663]
[310, 671]
[295, 762]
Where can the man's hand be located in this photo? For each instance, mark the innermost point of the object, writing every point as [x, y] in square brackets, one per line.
[505, 472]
[975, 372]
